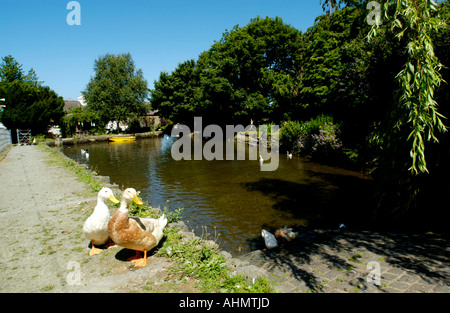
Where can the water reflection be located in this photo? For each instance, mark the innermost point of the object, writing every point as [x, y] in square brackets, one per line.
[233, 198]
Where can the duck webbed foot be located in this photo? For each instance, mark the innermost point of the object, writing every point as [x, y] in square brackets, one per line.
[138, 260]
[94, 250]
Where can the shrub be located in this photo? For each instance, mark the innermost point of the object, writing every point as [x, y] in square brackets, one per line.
[290, 133]
[326, 141]
[318, 135]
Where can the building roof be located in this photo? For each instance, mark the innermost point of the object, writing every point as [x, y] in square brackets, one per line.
[71, 103]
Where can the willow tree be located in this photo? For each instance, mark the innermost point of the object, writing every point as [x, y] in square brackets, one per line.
[416, 22]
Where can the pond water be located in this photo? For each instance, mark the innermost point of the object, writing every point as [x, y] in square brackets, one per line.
[233, 200]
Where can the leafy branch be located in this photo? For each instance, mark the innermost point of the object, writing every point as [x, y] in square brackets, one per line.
[420, 77]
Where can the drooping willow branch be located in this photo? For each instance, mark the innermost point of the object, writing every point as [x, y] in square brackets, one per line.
[418, 20]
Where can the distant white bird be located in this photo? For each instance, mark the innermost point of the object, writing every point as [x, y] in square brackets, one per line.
[261, 160]
[86, 154]
[289, 155]
[83, 152]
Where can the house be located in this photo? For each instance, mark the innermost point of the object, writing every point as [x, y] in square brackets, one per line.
[152, 119]
[81, 127]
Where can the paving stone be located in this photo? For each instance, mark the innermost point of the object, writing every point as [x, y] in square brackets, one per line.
[332, 275]
[340, 264]
[388, 277]
[441, 289]
[408, 279]
[398, 285]
[396, 271]
[418, 287]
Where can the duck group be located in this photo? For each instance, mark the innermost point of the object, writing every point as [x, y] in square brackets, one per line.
[139, 234]
[280, 236]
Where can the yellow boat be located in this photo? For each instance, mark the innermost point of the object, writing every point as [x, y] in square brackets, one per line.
[121, 138]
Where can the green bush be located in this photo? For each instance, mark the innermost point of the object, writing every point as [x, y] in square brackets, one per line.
[307, 136]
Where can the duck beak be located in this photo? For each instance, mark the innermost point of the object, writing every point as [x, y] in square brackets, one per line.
[137, 200]
[113, 199]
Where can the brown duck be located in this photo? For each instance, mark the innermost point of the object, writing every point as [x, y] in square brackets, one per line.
[140, 234]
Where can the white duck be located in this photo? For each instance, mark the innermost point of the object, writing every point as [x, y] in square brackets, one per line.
[269, 239]
[95, 228]
[140, 234]
[289, 155]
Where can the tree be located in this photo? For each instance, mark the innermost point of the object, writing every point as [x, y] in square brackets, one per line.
[326, 65]
[178, 95]
[76, 116]
[29, 105]
[118, 90]
[420, 78]
[407, 184]
[11, 71]
[328, 5]
[259, 68]
[252, 73]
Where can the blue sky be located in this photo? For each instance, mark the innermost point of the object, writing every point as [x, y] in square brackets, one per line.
[158, 34]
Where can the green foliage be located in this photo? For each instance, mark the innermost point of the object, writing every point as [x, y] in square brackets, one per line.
[290, 133]
[325, 61]
[11, 71]
[309, 136]
[77, 115]
[118, 90]
[29, 105]
[198, 258]
[146, 210]
[417, 22]
[251, 73]
[329, 5]
[177, 96]
[326, 142]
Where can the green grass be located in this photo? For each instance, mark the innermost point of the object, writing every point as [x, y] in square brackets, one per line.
[205, 263]
[197, 259]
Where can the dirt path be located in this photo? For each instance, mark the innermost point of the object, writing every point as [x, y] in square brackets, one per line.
[42, 246]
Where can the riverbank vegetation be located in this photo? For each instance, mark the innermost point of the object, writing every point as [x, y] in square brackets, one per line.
[199, 257]
[372, 97]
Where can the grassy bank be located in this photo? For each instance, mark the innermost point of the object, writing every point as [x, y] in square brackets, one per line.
[197, 259]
